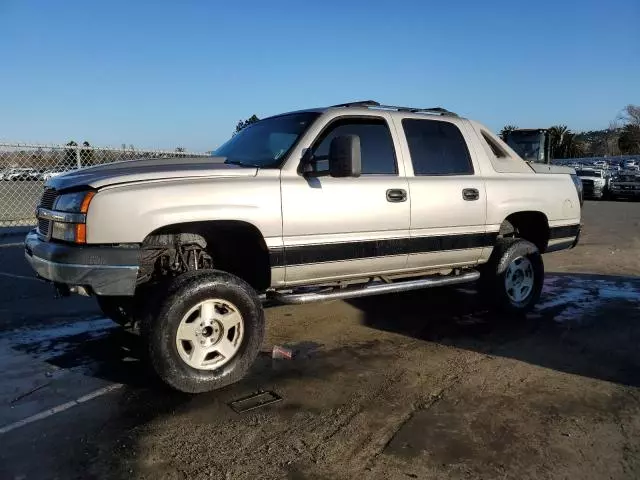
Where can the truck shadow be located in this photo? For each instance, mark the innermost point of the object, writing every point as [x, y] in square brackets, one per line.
[586, 325]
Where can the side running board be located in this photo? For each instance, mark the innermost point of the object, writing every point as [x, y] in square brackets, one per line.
[372, 288]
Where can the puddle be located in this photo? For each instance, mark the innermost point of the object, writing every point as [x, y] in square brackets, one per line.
[573, 297]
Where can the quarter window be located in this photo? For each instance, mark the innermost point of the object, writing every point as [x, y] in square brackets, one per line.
[497, 151]
[377, 151]
[437, 148]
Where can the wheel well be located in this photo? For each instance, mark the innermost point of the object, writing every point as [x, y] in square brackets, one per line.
[236, 247]
[532, 226]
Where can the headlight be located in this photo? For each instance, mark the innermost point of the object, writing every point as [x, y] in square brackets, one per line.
[69, 217]
[66, 231]
[74, 202]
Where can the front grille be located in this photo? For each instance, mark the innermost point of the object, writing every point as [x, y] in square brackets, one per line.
[587, 183]
[43, 227]
[47, 201]
[48, 198]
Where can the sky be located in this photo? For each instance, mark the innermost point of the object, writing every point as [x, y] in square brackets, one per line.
[162, 74]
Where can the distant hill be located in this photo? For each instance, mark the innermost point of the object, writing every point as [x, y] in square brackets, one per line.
[600, 143]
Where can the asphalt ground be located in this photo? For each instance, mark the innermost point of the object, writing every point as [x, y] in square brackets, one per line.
[420, 385]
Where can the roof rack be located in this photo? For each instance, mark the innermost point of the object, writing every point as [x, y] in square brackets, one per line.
[360, 103]
[376, 105]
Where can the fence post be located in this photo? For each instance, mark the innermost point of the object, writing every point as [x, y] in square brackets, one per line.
[78, 160]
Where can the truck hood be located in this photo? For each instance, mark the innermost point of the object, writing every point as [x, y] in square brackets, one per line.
[149, 169]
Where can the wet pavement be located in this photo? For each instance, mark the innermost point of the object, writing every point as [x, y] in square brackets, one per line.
[420, 385]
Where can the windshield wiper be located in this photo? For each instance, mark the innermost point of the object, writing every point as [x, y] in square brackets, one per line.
[242, 164]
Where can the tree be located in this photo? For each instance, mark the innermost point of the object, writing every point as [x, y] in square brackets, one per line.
[611, 139]
[70, 155]
[629, 141]
[572, 147]
[86, 154]
[631, 115]
[557, 135]
[245, 123]
[506, 130]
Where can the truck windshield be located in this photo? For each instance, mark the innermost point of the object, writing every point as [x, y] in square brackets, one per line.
[587, 173]
[265, 144]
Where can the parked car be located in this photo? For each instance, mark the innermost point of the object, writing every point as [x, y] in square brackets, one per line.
[339, 202]
[9, 173]
[594, 182]
[625, 185]
[602, 164]
[53, 172]
[21, 174]
[629, 164]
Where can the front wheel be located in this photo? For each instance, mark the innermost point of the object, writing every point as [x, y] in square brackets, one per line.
[206, 331]
[513, 277]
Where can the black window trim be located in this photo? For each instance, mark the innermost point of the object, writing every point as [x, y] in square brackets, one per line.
[322, 135]
[472, 170]
[490, 141]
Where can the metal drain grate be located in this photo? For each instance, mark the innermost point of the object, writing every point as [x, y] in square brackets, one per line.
[253, 401]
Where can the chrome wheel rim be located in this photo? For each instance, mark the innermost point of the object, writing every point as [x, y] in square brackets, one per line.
[210, 334]
[519, 279]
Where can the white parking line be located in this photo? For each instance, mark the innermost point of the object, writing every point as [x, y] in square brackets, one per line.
[59, 408]
[16, 244]
[21, 277]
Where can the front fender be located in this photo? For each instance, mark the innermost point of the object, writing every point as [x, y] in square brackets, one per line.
[128, 213]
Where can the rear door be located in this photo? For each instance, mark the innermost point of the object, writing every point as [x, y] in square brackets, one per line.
[448, 201]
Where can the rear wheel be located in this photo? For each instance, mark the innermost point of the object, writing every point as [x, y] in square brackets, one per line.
[206, 331]
[512, 280]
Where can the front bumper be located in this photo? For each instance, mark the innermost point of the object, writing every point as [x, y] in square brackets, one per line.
[103, 270]
[620, 192]
[594, 192]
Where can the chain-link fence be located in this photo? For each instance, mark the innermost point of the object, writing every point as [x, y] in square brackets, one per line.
[25, 168]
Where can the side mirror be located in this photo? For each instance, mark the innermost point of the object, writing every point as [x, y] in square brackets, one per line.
[344, 156]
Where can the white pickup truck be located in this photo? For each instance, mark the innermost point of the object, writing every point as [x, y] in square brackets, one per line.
[350, 200]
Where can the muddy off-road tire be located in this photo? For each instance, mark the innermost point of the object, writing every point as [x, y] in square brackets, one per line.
[205, 331]
[511, 281]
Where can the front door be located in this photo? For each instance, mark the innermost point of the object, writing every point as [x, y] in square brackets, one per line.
[335, 228]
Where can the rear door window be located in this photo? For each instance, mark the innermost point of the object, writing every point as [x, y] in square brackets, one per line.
[437, 148]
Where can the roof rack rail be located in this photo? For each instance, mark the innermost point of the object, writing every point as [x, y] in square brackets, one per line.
[376, 105]
[434, 110]
[360, 103]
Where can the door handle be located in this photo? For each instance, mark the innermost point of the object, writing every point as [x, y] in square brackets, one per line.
[396, 195]
[470, 194]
